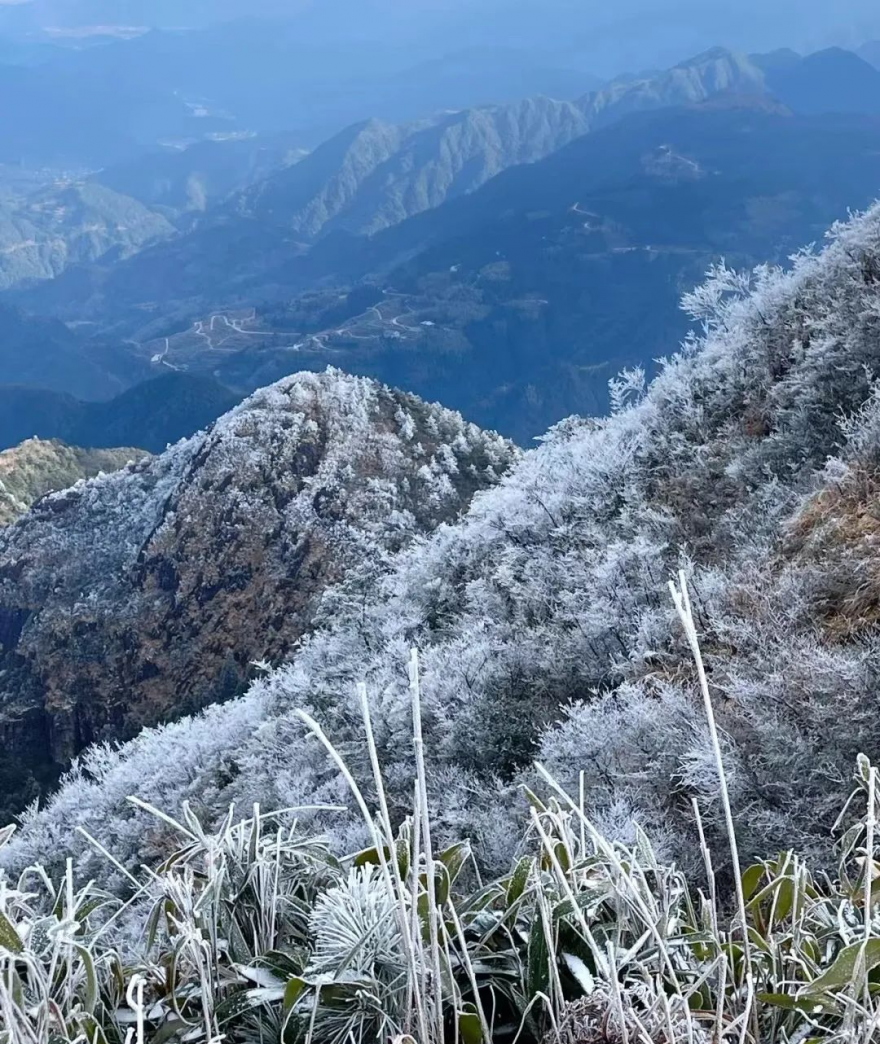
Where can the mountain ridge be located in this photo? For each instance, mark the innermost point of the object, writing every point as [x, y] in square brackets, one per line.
[386, 173]
[152, 413]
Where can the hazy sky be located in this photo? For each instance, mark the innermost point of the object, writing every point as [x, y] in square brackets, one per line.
[610, 36]
[630, 33]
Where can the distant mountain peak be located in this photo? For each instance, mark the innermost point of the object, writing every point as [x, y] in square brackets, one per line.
[712, 54]
[832, 80]
[834, 53]
[781, 58]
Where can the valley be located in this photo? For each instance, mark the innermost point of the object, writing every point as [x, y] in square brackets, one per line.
[479, 257]
[511, 302]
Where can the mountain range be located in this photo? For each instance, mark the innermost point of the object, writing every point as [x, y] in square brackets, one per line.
[464, 255]
[374, 175]
[516, 303]
[633, 34]
[349, 213]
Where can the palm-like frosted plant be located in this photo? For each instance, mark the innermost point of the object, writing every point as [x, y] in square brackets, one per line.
[354, 927]
[358, 962]
[57, 983]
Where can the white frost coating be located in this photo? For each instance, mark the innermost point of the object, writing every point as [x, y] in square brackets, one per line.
[543, 615]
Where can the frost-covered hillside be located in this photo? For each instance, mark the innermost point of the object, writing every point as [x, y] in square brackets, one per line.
[544, 620]
[143, 595]
[41, 466]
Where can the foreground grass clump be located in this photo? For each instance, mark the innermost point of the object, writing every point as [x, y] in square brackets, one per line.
[255, 931]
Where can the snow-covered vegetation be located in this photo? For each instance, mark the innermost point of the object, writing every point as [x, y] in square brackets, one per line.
[543, 621]
[254, 930]
[145, 595]
[39, 466]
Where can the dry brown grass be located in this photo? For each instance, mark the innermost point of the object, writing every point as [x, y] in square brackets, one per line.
[838, 533]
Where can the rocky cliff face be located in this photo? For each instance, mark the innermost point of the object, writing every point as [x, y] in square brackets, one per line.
[139, 596]
[39, 466]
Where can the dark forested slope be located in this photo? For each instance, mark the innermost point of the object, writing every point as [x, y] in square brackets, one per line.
[151, 414]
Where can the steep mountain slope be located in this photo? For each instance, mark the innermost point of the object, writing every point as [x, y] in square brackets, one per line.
[37, 467]
[751, 462]
[151, 414]
[138, 596]
[375, 175]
